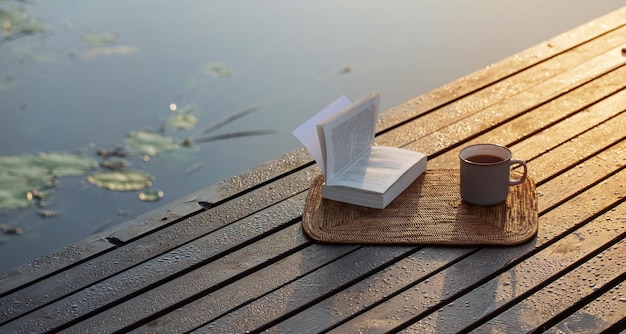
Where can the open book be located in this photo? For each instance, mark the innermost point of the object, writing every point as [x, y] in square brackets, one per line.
[341, 140]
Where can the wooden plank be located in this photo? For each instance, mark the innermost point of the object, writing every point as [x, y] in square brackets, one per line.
[590, 104]
[525, 278]
[210, 306]
[217, 193]
[428, 259]
[168, 265]
[583, 281]
[333, 275]
[497, 114]
[604, 312]
[445, 290]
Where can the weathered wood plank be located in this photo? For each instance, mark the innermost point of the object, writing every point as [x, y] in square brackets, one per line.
[590, 104]
[317, 284]
[199, 283]
[429, 260]
[380, 286]
[525, 278]
[496, 114]
[168, 265]
[569, 289]
[603, 312]
[198, 312]
[427, 299]
[88, 247]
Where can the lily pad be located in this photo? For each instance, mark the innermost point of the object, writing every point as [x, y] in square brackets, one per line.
[23, 175]
[66, 164]
[183, 119]
[15, 21]
[218, 70]
[150, 143]
[150, 195]
[7, 84]
[110, 50]
[121, 180]
[14, 199]
[99, 39]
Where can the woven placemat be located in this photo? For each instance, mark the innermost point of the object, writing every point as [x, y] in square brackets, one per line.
[429, 211]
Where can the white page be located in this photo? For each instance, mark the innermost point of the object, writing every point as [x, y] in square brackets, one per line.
[349, 134]
[378, 169]
[307, 132]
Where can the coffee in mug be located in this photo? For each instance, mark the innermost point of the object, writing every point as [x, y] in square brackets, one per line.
[485, 173]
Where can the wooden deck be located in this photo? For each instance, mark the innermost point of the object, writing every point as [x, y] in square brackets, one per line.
[233, 258]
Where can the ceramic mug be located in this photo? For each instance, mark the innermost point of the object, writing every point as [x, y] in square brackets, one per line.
[485, 173]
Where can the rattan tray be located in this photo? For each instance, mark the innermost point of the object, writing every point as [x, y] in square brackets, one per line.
[430, 211]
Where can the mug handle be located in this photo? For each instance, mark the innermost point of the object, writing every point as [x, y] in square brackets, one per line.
[520, 163]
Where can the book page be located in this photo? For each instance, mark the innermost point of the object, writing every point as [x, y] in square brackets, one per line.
[307, 132]
[378, 169]
[349, 134]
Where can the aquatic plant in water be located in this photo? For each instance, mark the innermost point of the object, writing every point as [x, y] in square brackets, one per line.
[150, 143]
[218, 70]
[150, 195]
[99, 39]
[182, 119]
[15, 21]
[22, 177]
[110, 50]
[121, 180]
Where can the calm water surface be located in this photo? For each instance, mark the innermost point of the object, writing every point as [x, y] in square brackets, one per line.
[286, 56]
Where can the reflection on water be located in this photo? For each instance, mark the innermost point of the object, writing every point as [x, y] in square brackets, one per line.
[103, 70]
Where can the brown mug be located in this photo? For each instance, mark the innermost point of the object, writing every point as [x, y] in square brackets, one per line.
[485, 173]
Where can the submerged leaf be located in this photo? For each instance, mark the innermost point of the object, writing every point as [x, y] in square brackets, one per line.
[23, 175]
[7, 84]
[218, 70]
[121, 180]
[110, 50]
[15, 20]
[150, 195]
[183, 119]
[66, 164]
[12, 199]
[99, 39]
[150, 143]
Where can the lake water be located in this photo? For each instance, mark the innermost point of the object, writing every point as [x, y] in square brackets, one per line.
[291, 58]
